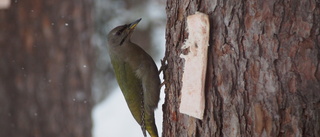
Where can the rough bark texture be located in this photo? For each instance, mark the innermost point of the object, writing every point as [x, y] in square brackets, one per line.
[263, 74]
[45, 69]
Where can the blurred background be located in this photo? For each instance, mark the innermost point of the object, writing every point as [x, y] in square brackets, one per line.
[55, 73]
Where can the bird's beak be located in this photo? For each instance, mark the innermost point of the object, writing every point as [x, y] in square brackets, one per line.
[134, 24]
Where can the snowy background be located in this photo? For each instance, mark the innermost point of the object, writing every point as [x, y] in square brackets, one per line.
[111, 115]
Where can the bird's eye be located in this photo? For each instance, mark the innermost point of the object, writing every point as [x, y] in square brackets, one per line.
[118, 33]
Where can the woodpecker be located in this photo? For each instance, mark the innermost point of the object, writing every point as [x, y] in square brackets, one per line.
[137, 76]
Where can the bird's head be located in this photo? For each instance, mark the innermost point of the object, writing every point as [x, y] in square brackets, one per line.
[120, 34]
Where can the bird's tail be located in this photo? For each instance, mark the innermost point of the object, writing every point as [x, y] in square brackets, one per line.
[143, 130]
[150, 124]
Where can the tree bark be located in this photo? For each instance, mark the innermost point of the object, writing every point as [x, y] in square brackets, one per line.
[263, 72]
[45, 69]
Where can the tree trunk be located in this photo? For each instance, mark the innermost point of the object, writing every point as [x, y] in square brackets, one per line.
[263, 73]
[45, 69]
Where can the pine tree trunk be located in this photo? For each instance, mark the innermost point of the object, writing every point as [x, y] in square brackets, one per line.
[263, 73]
[45, 69]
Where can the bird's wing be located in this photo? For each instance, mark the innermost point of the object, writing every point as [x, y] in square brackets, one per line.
[131, 88]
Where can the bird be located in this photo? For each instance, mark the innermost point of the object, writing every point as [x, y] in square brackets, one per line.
[137, 76]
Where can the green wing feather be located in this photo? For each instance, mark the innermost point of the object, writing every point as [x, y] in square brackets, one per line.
[131, 87]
